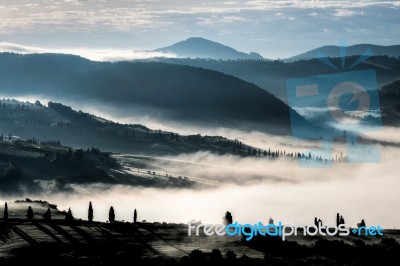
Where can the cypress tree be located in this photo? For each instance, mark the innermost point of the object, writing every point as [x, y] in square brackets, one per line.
[135, 216]
[111, 215]
[90, 212]
[5, 212]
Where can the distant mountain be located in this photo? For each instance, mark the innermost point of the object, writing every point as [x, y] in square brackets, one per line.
[197, 47]
[272, 75]
[164, 91]
[358, 49]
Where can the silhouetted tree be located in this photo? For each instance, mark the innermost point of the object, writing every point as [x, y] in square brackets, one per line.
[135, 216]
[29, 213]
[198, 257]
[47, 215]
[5, 212]
[361, 224]
[111, 215]
[69, 217]
[341, 220]
[230, 255]
[216, 257]
[228, 218]
[90, 212]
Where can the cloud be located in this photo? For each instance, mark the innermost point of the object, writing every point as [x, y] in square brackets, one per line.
[92, 54]
[16, 48]
[152, 24]
[343, 13]
[215, 20]
[346, 13]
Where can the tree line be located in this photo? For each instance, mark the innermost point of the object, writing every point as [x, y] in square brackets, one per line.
[69, 217]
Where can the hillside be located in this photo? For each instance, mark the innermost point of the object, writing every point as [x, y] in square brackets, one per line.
[78, 242]
[145, 240]
[390, 103]
[35, 168]
[162, 91]
[353, 50]
[197, 47]
[78, 129]
[54, 148]
[272, 75]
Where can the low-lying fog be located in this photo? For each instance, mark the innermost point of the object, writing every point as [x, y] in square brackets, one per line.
[283, 191]
[254, 189]
[91, 54]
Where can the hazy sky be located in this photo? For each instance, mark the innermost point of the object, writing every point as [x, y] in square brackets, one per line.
[272, 27]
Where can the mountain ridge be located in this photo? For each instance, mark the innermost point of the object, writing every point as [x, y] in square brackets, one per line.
[164, 91]
[198, 47]
[353, 50]
[272, 75]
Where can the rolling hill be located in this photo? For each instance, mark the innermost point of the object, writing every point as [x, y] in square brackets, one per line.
[353, 50]
[46, 149]
[52, 149]
[56, 149]
[80, 242]
[272, 75]
[163, 91]
[24, 120]
[390, 103]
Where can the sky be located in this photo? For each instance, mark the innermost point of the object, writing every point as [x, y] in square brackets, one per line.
[274, 28]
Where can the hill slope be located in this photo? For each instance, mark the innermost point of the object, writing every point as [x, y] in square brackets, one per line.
[57, 241]
[390, 103]
[79, 129]
[165, 91]
[272, 75]
[358, 49]
[197, 47]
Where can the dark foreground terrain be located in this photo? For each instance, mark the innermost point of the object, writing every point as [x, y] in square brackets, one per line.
[58, 241]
